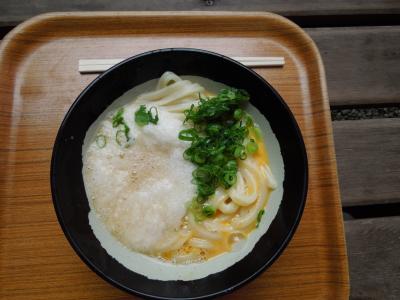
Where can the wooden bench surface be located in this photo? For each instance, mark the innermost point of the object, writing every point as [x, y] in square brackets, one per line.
[363, 69]
[367, 153]
[13, 12]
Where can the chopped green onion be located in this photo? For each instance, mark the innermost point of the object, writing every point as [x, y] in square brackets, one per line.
[218, 134]
[259, 216]
[230, 178]
[153, 119]
[238, 114]
[231, 165]
[218, 158]
[188, 154]
[118, 118]
[144, 117]
[249, 121]
[251, 147]
[215, 107]
[141, 116]
[205, 190]
[208, 211]
[213, 129]
[188, 134]
[200, 200]
[126, 131]
[118, 121]
[101, 141]
[201, 173]
[195, 207]
[120, 137]
[199, 158]
[257, 132]
[240, 152]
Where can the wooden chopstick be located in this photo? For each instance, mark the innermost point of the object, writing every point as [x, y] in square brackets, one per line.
[101, 65]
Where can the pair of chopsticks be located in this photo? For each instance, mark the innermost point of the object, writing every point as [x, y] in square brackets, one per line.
[101, 65]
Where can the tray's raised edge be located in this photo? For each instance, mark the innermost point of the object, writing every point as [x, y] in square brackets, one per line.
[331, 150]
[53, 16]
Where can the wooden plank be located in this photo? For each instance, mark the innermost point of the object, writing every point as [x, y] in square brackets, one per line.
[368, 158]
[13, 12]
[373, 248]
[361, 63]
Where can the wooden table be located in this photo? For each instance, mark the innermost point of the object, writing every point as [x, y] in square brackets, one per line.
[360, 46]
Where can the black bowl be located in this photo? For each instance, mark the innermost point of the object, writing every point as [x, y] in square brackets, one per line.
[69, 196]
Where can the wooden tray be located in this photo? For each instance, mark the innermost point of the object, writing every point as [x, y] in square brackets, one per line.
[40, 80]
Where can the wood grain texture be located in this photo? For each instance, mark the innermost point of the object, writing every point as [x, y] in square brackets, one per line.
[13, 12]
[38, 61]
[361, 63]
[368, 157]
[373, 248]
